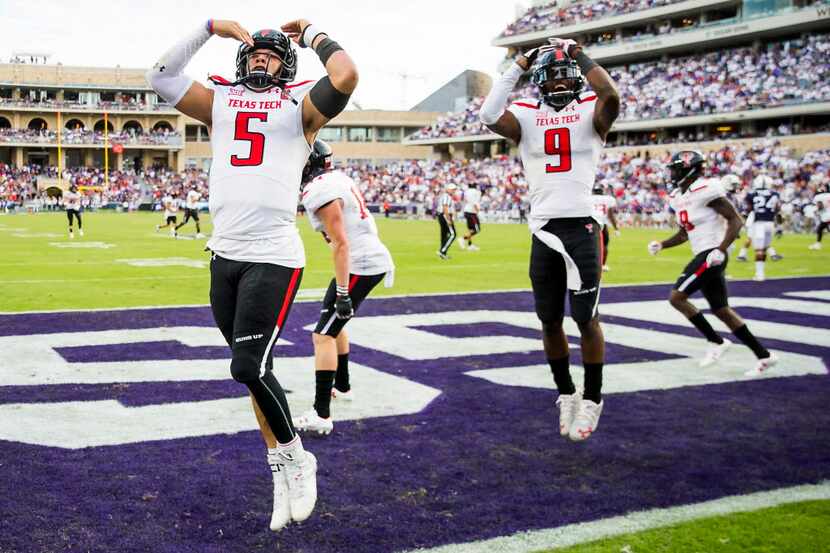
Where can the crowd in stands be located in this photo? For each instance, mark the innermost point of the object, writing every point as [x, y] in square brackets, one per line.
[550, 15]
[86, 136]
[637, 181]
[784, 72]
[130, 104]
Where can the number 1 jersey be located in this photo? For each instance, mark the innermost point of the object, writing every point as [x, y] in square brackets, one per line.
[259, 151]
[560, 152]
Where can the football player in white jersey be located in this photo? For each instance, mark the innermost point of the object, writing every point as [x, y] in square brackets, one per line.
[472, 207]
[72, 203]
[560, 137]
[605, 211]
[822, 201]
[710, 223]
[170, 204]
[262, 129]
[336, 208]
[191, 211]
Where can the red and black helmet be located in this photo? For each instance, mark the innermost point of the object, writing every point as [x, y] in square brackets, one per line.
[319, 161]
[685, 167]
[276, 42]
[555, 64]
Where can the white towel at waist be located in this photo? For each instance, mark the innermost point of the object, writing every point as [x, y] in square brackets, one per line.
[553, 242]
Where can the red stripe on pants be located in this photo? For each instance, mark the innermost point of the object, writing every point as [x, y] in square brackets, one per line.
[289, 296]
[353, 281]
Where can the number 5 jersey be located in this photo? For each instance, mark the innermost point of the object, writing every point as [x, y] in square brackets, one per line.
[704, 225]
[560, 152]
[367, 254]
[259, 151]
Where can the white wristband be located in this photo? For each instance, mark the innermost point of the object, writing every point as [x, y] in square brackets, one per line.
[309, 34]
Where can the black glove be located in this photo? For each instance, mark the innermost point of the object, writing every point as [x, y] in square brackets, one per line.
[343, 308]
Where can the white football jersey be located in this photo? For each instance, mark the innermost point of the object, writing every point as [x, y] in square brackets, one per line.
[367, 254]
[823, 201]
[171, 206]
[72, 200]
[259, 151]
[602, 204]
[193, 198]
[560, 152]
[705, 226]
[472, 199]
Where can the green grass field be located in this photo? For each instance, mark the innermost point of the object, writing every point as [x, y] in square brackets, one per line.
[37, 273]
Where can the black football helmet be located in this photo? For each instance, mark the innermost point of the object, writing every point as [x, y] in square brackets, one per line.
[319, 161]
[685, 167]
[276, 42]
[555, 64]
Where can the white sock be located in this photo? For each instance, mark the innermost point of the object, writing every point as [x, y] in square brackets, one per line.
[742, 253]
[759, 268]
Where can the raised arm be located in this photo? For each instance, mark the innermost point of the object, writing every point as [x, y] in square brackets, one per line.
[167, 76]
[331, 94]
[608, 98]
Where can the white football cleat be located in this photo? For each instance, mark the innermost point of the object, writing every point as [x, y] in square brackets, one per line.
[763, 366]
[71, 235]
[586, 420]
[816, 246]
[473, 248]
[199, 235]
[81, 231]
[310, 421]
[281, 513]
[759, 278]
[714, 353]
[605, 268]
[343, 396]
[462, 244]
[568, 407]
[301, 473]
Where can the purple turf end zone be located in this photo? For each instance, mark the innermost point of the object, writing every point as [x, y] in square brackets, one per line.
[481, 461]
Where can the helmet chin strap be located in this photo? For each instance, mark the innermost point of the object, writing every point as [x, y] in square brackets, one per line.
[558, 99]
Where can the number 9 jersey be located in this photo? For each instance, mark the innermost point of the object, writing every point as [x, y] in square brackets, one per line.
[560, 152]
[367, 254]
[259, 151]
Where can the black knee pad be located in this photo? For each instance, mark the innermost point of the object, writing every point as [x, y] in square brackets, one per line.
[245, 365]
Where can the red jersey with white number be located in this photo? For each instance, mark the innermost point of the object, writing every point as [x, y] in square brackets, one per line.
[560, 152]
[602, 204]
[367, 254]
[259, 151]
[705, 226]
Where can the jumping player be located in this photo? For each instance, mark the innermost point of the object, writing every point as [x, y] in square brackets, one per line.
[336, 208]
[710, 223]
[560, 136]
[262, 129]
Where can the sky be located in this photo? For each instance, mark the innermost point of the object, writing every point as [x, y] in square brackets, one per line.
[427, 41]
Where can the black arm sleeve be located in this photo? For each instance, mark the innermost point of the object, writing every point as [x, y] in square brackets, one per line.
[328, 100]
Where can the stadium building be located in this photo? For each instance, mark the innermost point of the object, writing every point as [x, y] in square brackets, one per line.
[111, 117]
[748, 57]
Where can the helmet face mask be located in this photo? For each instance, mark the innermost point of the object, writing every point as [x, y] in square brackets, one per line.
[278, 46]
[552, 69]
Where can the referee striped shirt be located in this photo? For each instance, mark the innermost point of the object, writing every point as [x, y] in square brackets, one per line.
[446, 200]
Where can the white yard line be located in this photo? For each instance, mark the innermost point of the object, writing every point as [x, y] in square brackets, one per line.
[573, 534]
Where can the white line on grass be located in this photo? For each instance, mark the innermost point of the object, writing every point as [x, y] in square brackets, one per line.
[583, 532]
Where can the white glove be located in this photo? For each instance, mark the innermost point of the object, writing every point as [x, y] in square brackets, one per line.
[654, 246]
[715, 258]
[534, 53]
[564, 43]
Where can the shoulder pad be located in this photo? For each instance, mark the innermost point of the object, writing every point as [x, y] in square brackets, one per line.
[527, 103]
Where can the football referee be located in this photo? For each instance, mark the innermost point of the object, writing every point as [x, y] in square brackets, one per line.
[446, 214]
